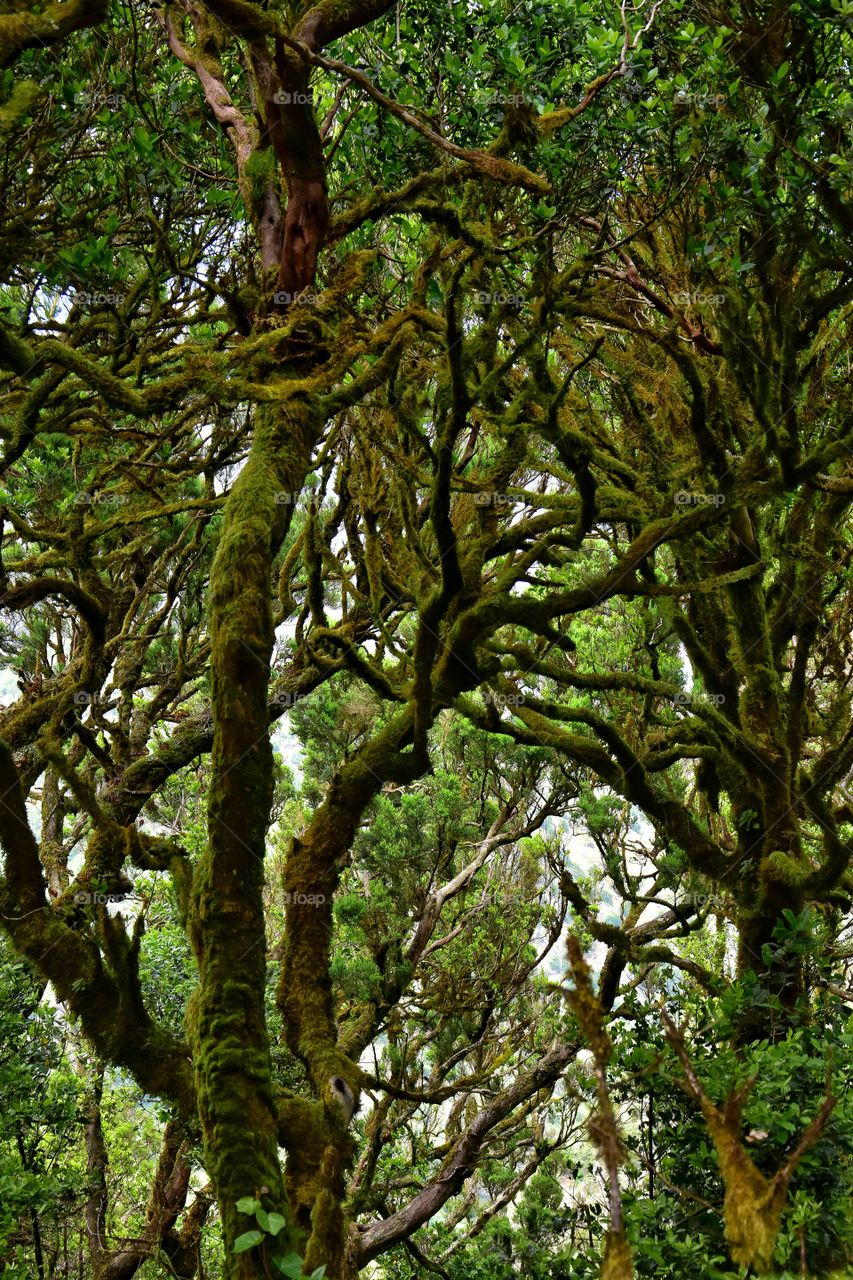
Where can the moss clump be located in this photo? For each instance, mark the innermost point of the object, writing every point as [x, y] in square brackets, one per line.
[261, 171]
[780, 869]
[20, 104]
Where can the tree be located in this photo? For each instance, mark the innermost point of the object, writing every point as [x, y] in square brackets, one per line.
[545, 431]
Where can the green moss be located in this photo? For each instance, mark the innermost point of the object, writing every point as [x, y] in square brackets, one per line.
[21, 103]
[16, 32]
[779, 869]
[752, 1208]
[261, 171]
[326, 1243]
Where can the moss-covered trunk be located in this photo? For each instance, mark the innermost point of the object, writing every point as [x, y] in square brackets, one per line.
[317, 1158]
[227, 1021]
[774, 885]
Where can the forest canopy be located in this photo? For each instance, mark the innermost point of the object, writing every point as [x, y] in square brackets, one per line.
[426, 740]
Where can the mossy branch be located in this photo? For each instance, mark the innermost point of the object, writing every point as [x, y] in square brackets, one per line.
[603, 1124]
[753, 1203]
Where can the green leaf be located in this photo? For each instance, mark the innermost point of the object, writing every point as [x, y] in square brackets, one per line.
[275, 1222]
[247, 1240]
[143, 141]
[290, 1266]
[248, 1205]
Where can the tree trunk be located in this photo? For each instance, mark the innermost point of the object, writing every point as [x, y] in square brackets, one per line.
[227, 1022]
